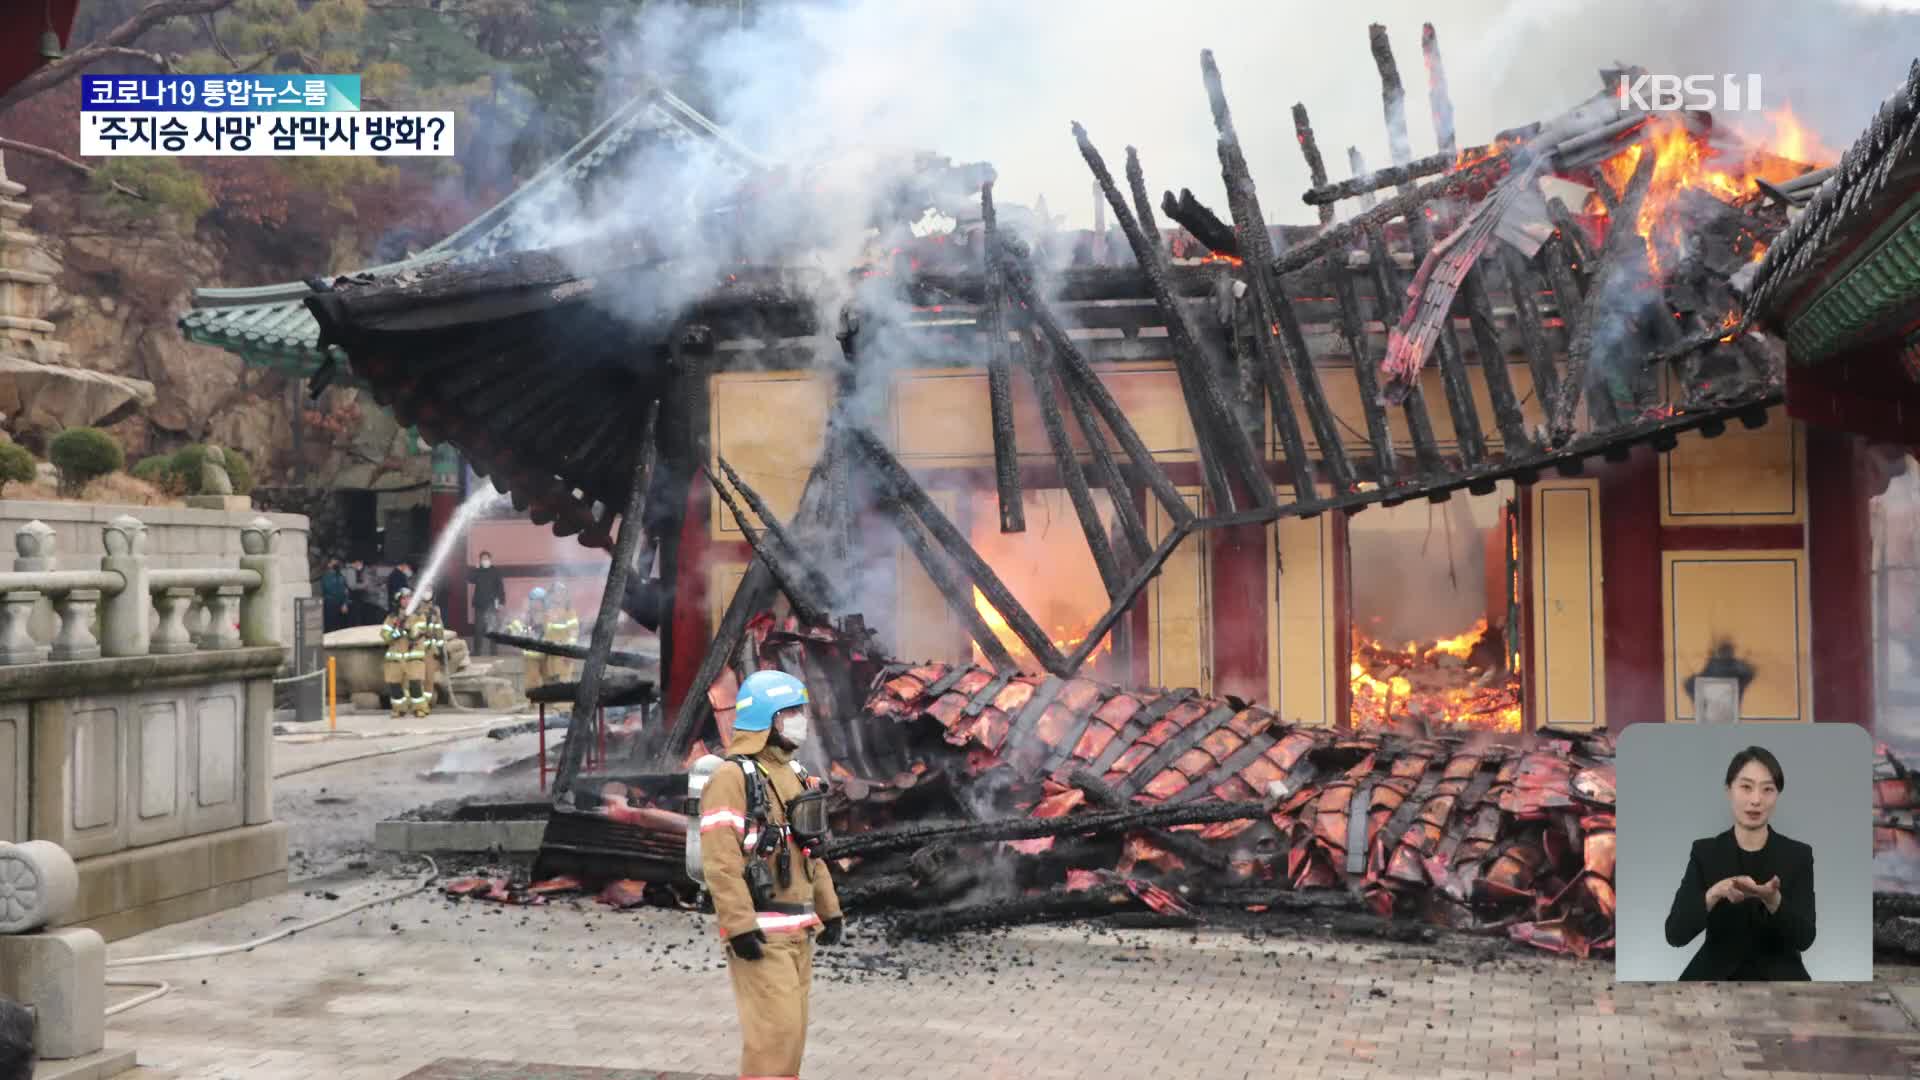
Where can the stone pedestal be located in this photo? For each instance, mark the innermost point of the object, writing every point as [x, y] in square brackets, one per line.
[62, 974]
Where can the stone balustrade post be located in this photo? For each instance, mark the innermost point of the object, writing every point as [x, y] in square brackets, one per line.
[34, 542]
[171, 635]
[124, 617]
[74, 640]
[16, 640]
[223, 617]
[260, 607]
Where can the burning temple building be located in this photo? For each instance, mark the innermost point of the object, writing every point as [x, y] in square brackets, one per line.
[1521, 444]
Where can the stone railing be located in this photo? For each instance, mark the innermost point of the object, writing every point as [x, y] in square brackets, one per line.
[126, 609]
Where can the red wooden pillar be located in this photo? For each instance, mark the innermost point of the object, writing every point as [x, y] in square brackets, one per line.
[1839, 551]
[1634, 627]
[447, 490]
[1241, 592]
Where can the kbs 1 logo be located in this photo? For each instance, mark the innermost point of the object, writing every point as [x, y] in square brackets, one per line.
[1707, 93]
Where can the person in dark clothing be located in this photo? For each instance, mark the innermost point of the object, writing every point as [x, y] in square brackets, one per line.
[1749, 888]
[335, 597]
[363, 592]
[401, 578]
[489, 603]
[16, 1041]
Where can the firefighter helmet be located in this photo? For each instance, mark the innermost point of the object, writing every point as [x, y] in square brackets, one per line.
[537, 595]
[764, 694]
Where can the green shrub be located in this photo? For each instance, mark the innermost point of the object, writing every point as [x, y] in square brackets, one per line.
[16, 465]
[153, 469]
[83, 453]
[183, 471]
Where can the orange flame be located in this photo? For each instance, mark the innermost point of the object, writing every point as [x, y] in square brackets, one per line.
[1066, 641]
[1684, 159]
[1436, 684]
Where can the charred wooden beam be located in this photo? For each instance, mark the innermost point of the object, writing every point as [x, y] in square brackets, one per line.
[1479, 174]
[1453, 370]
[573, 751]
[750, 597]
[1055, 905]
[957, 594]
[1571, 254]
[1273, 311]
[1214, 419]
[615, 657]
[1310, 150]
[1493, 363]
[793, 552]
[1203, 223]
[911, 837]
[1580, 351]
[1363, 184]
[1389, 295]
[778, 557]
[1067, 351]
[1437, 97]
[897, 481]
[1523, 289]
[1191, 849]
[1142, 203]
[1126, 516]
[1068, 464]
[1143, 574]
[1006, 450]
[1365, 373]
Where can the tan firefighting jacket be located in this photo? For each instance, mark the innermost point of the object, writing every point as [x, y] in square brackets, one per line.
[726, 833]
[563, 626]
[407, 637]
[533, 626]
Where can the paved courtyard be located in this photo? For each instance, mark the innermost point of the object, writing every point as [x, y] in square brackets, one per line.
[429, 989]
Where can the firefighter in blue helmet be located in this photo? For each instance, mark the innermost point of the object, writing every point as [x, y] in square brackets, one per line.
[760, 818]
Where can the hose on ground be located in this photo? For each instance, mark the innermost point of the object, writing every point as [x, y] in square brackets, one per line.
[432, 875]
[159, 990]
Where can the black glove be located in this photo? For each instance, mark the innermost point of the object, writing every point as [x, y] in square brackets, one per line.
[747, 946]
[831, 932]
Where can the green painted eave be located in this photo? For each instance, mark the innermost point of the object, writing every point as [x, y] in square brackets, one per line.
[1880, 280]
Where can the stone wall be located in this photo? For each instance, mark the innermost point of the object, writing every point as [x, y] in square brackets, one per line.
[177, 539]
[155, 773]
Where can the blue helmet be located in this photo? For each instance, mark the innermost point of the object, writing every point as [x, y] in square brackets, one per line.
[538, 594]
[763, 694]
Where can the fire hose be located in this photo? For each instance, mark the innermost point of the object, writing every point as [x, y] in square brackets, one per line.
[159, 989]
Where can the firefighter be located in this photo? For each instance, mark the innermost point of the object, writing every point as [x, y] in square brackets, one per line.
[433, 649]
[406, 660]
[563, 628]
[533, 626]
[770, 896]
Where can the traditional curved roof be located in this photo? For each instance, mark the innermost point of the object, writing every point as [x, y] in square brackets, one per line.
[272, 323]
[1848, 269]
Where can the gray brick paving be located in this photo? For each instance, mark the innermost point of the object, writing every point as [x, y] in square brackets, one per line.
[422, 985]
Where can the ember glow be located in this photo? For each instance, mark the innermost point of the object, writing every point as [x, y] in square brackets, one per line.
[1066, 639]
[1455, 682]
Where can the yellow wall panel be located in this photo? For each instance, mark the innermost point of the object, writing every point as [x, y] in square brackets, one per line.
[1568, 664]
[770, 427]
[723, 580]
[942, 416]
[1179, 608]
[1304, 660]
[1755, 601]
[1743, 477]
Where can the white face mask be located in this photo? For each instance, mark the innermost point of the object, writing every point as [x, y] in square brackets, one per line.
[486, 564]
[793, 727]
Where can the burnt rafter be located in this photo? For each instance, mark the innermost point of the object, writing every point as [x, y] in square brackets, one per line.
[1006, 450]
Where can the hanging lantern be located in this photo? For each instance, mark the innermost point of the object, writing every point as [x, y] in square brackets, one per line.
[50, 38]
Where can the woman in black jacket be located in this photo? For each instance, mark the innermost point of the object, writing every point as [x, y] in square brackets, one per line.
[1749, 888]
